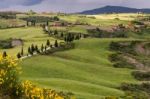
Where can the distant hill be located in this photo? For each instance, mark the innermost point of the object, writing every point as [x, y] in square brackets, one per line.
[115, 9]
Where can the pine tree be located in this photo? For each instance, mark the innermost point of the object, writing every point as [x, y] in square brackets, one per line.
[4, 54]
[56, 43]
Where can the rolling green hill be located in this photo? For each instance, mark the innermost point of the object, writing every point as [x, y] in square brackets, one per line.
[29, 35]
[85, 70]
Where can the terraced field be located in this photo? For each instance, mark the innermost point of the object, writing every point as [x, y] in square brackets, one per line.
[85, 70]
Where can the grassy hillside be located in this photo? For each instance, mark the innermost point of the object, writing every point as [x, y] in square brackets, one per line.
[30, 35]
[123, 16]
[93, 21]
[84, 70]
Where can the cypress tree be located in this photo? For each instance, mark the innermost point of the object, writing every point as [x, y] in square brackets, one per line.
[55, 32]
[32, 48]
[65, 39]
[48, 43]
[47, 23]
[37, 49]
[62, 35]
[27, 23]
[18, 55]
[45, 48]
[42, 47]
[56, 43]
[22, 52]
[4, 54]
[30, 51]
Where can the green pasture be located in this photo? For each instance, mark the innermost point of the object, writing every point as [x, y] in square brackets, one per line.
[85, 70]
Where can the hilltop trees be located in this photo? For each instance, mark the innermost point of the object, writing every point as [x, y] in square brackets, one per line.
[31, 12]
[69, 37]
[34, 49]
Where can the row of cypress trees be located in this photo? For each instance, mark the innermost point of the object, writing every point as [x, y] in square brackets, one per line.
[35, 49]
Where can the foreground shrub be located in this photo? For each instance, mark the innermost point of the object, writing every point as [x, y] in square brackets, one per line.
[9, 72]
[30, 91]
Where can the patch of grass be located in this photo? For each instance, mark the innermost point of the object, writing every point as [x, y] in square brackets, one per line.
[78, 29]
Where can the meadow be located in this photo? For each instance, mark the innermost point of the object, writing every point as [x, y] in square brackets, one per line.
[29, 35]
[85, 70]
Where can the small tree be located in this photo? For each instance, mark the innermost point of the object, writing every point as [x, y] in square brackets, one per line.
[27, 23]
[48, 43]
[32, 48]
[42, 47]
[62, 35]
[37, 49]
[4, 54]
[65, 39]
[56, 43]
[22, 52]
[56, 18]
[18, 55]
[30, 51]
[45, 48]
[55, 32]
[47, 23]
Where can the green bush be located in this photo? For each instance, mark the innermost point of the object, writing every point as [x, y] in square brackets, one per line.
[141, 75]
[5, 44]
[144, 87]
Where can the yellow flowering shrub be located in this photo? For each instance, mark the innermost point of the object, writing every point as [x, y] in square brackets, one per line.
[12, 87]
[31, 91]
[8, 75]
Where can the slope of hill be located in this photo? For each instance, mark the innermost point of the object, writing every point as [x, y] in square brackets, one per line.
[85, 70]
[115, 9]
